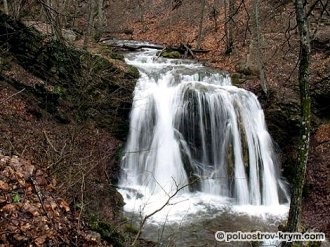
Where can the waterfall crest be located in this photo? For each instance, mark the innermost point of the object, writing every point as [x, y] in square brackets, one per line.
[191, 128]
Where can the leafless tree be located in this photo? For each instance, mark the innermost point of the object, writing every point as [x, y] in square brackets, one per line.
[100, 15]
[5, 7]
[305, 101]
[90, 23]
[257, 40]
[200, 29]
[142, 10]
[229, 24]
[52, 16]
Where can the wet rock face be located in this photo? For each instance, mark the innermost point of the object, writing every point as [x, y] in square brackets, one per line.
[321, 39]
[282, 113]
[320, 93]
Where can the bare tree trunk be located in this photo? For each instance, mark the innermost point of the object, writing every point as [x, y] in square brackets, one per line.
[305, 101]
[225, 2]
[229, 26]
[90, 24]
[141, 9]
[215, 14]
[258, 43]
[5, 7]
[200, 29]
[64, 9]
[75, 13]
[52, 16]
[17, 6]
[100, 21]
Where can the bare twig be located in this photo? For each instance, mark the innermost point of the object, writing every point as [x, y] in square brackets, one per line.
[178, 189]
[49, 142]
[4, 100]
[82, 189]
[38, 192]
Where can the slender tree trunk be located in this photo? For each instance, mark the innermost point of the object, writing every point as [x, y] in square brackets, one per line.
[90, 24]
[5, 7]
[296, 197]
[100, 18]
[226, 23]
[75, 13]
[258, 41]
[215, 14]
[141, 9]
[200, 29]
[229, 26]
[17, 5]
[64, 9]
[52, 15]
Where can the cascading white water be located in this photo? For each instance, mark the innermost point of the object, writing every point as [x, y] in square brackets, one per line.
[191, 128]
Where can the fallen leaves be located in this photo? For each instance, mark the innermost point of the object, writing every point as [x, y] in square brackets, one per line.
[32, 214]
[323, 133]
[63, 205]
[4, 186]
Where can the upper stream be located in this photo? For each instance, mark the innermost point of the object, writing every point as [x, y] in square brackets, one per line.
[199, 145]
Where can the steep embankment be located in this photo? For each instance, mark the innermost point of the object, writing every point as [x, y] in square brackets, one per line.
[66, 111]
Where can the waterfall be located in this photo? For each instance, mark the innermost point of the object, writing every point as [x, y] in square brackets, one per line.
[190, 128]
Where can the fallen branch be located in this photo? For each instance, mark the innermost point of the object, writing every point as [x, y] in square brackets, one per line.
[188, 51]
[161, 52]
[39, 195]
[49, 142]
[6, 99]
[182, 48]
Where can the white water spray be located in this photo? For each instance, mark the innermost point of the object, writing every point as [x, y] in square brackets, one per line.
[191, 128]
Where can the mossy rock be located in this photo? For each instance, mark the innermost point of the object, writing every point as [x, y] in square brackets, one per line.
[107, 231]
[109, 52]
[132, 72]
[117, 56]
[88, 87]
[129, 228]
[171, 54]
[320, 93]
[237, 79]
[246, 69]
[5, 60]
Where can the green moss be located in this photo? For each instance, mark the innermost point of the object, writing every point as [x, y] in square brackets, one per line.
[129, 228]
[108, 52]
[235, 79]
[5, 60]
[117, 56]
[107, 231]
[132, 72]
[59, 90]
[171, 54]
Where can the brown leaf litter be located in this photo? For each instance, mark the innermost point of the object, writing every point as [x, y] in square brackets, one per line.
[31, 213]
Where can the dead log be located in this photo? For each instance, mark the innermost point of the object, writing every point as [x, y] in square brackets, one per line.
[184, 49]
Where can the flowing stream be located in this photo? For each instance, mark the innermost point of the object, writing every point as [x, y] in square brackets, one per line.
[199, 145]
